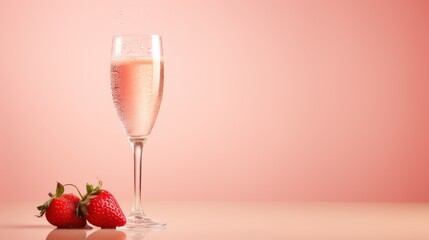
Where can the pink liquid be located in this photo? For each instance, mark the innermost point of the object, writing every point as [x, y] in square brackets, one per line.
[137, 85]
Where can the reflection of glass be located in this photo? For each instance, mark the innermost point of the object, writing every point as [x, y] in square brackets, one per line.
[63, 234]
[135, 234]
[139, 233]
[137, 78]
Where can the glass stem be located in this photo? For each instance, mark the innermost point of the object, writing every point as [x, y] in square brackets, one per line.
[137, 145]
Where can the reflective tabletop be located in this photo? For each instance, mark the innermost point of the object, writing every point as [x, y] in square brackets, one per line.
[240, 220]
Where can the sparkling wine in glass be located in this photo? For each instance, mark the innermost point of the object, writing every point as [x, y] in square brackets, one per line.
[137, 79]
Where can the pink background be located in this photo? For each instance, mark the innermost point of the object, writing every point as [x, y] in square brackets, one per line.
[264, 100]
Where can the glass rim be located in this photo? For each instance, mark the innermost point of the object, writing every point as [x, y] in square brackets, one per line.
[136, 35]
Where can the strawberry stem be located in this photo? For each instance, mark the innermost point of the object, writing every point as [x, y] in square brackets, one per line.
[69, 184]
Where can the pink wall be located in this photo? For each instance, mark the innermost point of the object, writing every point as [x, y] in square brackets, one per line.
[264, 100]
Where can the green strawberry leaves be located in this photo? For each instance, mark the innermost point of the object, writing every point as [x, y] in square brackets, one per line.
[91, 193]
[60, 190]
[90, 190]
[58, 193]
[81, 210]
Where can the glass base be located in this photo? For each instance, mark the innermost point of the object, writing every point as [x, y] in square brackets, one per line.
[140, 221]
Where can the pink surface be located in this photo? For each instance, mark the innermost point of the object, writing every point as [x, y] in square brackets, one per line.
[211, 220]
[263, 100]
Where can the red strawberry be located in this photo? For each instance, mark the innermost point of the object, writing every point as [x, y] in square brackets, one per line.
[62, 210]
[101, 209]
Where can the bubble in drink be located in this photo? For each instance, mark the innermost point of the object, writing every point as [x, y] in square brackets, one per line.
[137, 85]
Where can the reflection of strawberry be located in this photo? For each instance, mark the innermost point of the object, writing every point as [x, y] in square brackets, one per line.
[61, 210]
[107, 234]
[66, 234]
[101, 209]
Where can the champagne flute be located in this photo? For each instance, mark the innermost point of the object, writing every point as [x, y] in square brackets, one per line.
[137, 80]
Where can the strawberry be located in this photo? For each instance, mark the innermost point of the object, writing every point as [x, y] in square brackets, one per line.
[101, 209]
[62, 210]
